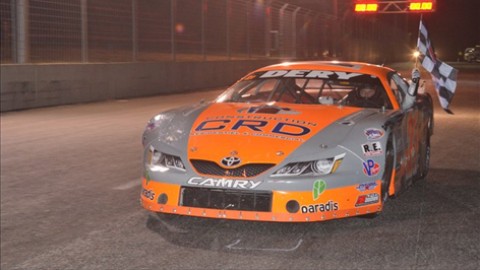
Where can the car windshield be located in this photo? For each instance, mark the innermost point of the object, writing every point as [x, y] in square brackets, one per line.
[357, 90]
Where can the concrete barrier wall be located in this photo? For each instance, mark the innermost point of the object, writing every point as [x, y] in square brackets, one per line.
[41, 85]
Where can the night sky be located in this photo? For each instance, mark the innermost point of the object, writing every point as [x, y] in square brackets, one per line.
[454, 26]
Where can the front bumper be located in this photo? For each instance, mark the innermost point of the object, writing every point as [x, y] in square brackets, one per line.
[285, 206]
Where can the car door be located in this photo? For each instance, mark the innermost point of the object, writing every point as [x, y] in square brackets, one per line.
[408, 133]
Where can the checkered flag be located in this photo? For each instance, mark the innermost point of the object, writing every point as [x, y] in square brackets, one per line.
[443, 76]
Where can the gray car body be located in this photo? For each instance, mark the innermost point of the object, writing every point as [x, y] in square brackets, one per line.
[345, 135]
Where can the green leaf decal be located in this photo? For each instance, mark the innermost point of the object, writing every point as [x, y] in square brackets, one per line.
[319, 187]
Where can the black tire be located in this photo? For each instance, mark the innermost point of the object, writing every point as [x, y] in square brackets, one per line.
[424, 156]
[389, 165]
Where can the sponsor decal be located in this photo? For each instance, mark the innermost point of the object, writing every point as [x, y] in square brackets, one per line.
[367, 186]
[319, 187]
[272, 127]
[372, 149]
[223, 183]
[320, 207]
[371, 168]
[149, 194]
[269, 118]
[322, 74]
[373, 133]
[248, 125]
[367, 199]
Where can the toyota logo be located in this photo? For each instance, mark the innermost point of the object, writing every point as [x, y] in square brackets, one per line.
[230, 161]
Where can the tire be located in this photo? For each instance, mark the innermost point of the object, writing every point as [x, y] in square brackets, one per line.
[389, 165]
[425, 156]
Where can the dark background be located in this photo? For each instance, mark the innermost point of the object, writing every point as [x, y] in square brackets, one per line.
[453, 26]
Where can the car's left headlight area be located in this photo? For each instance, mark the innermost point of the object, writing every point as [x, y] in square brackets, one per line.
[167, 127]
[318, 167]
[157, 161]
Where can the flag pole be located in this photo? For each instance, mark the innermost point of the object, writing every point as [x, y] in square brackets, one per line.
[418, 36]
[416, 59]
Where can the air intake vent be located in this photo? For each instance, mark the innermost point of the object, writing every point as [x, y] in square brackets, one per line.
[212, 168]
[226, 199]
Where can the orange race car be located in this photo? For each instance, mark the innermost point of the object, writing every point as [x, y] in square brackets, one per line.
[293, 142]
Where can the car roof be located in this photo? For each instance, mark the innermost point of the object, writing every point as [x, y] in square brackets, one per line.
[360, 67]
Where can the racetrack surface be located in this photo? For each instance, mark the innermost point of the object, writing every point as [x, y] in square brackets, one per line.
[70, 186]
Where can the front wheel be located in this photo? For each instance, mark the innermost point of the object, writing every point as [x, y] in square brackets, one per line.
[425, 156]
[389, 165]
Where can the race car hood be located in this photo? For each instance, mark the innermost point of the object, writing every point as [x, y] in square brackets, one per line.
[257, 133]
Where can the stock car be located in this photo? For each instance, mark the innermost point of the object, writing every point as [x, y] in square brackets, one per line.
[292, 142]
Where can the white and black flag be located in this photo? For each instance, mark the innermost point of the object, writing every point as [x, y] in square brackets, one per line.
[444, 76]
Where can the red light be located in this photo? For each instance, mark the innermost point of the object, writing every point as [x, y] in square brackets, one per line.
[421, 6]
[394, 6]
[366, 7]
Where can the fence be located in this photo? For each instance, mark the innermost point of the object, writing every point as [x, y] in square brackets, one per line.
[48, 31]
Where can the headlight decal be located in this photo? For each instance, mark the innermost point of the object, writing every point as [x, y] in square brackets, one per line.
[294, 169]
[313, 167]
[336, 164]
[160, 162]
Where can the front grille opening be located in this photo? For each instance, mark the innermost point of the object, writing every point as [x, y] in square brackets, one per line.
[211, 168]
[225, 199]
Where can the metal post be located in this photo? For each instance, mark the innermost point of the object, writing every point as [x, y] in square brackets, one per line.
[268, 28]
[13, 29]
[317, 43]
[173, 9]
[247, 5]
[204, 10]
[294, 34]
[22, 42]
[335, 27]
[281, 29]
[228, 28]
[134, 31]
[84, 27]
[306, 45]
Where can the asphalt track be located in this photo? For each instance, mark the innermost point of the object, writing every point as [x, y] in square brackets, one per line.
[70, 184]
